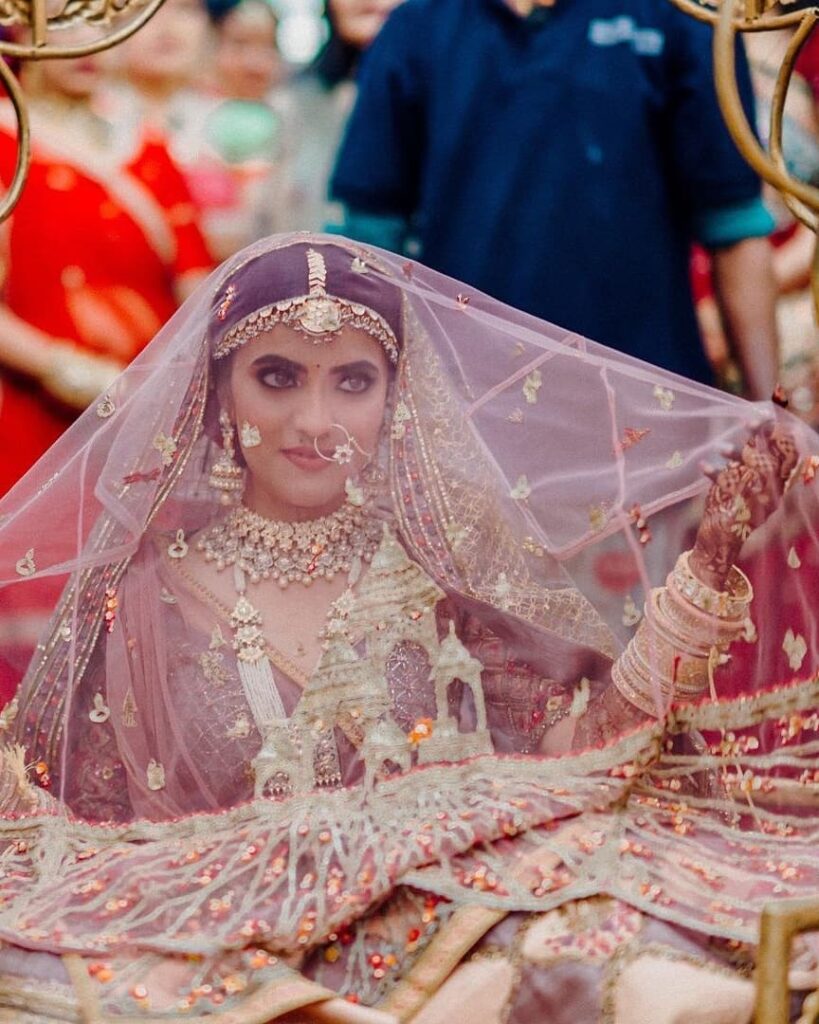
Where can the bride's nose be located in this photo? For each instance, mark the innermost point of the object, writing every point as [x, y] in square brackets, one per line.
[312, 417]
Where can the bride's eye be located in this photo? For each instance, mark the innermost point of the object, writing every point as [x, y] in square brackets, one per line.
[356, 382]
[278, 379]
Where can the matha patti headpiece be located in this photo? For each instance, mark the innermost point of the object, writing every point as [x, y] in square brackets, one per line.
[316, 314]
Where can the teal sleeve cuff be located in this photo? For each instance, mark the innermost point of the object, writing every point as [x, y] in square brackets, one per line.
[730, 224]
[387, 231]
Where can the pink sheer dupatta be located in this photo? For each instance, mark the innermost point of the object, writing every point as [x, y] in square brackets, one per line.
[515, 465]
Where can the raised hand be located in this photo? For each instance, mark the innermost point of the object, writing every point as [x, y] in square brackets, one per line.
[743, 495]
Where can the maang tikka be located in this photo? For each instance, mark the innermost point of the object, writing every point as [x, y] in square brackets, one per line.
[226, 475]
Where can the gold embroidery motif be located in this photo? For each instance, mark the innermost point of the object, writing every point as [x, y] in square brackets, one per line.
[597, 516]
[522, 489]
[213, 668]
[129, 710]
[179, 547]
[664, 396]
[795, 647]
[531, 546]
[8, 715]
[156, 775]
[531, 386]
[100, 713]
[456, 535]
[502, 590]
[631, 613]
[26, 565]
[166, 446]
[105, 408]
[240, 728]
[399, 421]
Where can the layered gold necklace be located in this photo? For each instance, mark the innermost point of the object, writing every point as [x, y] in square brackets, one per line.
[292, 552]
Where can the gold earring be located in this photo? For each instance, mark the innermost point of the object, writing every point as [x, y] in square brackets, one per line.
[225, 475]
[250, 435]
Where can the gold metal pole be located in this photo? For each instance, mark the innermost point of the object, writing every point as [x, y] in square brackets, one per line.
[12, 86]
[39, 22]
[780, 923]
[734, 113]
[802, 212]
[31, 51]
[767, 21]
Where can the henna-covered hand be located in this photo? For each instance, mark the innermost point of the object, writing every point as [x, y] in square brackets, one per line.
[743, 494]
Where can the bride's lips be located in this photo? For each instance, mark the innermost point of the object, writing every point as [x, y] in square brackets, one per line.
[305, 458]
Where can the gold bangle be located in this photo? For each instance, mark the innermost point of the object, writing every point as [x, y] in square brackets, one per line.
[724, 604]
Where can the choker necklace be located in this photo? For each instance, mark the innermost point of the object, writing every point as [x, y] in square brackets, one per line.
[298, 552]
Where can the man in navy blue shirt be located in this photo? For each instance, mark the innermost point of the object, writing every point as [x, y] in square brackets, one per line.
[563, 159]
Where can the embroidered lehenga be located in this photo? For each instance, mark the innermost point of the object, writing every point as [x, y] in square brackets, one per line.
[539, 771]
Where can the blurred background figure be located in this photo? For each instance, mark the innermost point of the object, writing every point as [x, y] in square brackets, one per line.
[358, 22]
[160, 68]
[160, 94]
[792, 243]
[324, 94]
[102, 247]
[247, 132]
[563, 157]
[210, 79]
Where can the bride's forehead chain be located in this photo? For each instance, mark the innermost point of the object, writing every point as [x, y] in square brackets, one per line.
[318, 314]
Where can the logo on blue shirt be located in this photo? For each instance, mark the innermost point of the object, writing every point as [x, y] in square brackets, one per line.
[647, 42]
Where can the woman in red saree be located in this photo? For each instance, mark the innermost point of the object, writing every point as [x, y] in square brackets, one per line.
[96, 257]
[101, 248]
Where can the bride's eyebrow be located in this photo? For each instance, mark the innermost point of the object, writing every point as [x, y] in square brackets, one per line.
[359, 366]
[271, 361]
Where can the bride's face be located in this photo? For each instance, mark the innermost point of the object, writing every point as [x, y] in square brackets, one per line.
[305, 400]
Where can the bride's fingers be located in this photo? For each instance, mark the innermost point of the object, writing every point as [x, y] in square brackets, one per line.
[731, 452]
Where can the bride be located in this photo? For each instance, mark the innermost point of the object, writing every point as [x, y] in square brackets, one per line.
[377, 690]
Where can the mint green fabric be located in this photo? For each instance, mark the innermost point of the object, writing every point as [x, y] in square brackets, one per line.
[243, 130]
[731, 224]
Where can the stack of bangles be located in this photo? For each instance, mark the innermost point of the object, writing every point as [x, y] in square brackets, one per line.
[687, 626]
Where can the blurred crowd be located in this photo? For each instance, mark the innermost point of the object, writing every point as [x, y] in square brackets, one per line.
[154, 161]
